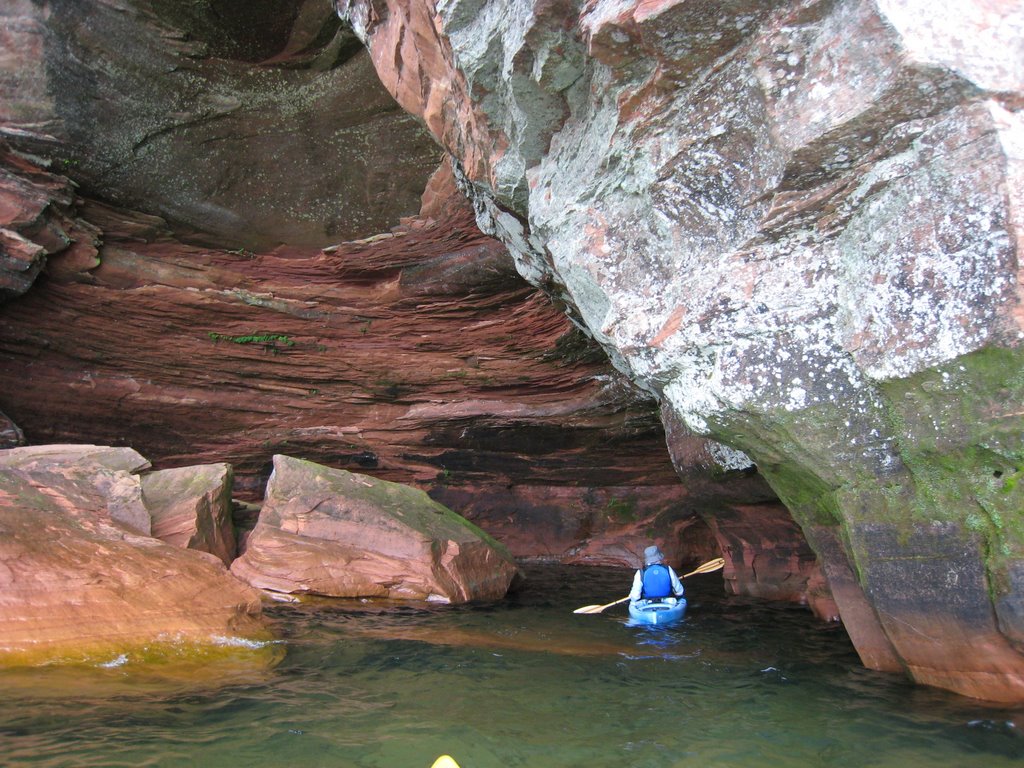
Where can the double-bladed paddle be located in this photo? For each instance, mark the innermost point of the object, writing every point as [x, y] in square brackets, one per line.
[708, 567]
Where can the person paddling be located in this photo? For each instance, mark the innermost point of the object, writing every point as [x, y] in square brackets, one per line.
[655, 580]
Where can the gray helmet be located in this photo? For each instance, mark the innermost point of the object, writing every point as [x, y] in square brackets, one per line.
[652, 555]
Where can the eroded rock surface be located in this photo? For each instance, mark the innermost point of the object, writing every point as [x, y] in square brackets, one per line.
[109, 472]
[330, 532]
[798, 224]
[31, 458]
[36, 219]
[420, 357]
[191, 508]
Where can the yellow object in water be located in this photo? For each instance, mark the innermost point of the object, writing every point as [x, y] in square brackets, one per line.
[444, 762]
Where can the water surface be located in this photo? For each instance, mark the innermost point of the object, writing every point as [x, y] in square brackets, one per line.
[524, 682]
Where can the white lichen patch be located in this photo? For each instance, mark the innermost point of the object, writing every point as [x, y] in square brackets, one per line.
[728, 458]
[927, 258]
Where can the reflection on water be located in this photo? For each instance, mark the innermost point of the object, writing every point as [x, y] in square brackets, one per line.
[524, 682]
[160, 669]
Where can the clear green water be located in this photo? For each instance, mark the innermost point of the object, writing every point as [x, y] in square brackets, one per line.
[522, 683]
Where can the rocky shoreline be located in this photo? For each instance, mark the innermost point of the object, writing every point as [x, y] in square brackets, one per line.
[99, 557]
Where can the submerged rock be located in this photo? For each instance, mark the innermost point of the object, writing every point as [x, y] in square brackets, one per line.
[330, 532]
[76, 584]
[191, 507]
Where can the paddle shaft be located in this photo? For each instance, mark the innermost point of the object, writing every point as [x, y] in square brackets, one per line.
[609, 605]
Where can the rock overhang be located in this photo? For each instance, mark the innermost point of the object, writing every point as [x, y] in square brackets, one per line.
[780, 228]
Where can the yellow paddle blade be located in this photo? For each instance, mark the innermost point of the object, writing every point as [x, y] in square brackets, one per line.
[599, 608]
[444, 762]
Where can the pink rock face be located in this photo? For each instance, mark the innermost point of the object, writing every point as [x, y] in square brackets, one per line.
[78, 586]
[330, 532]
[426, 83]
[595, 526]
[420, 358]
[191, 508]
[768, 557]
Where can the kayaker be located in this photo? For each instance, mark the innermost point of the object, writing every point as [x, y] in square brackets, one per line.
[655, 580]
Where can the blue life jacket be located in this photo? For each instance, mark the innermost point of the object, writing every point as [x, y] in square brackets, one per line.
[656, 582]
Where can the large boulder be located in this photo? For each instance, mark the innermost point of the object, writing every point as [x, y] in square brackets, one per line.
[330, 532]
[78, 585]
[191, 507]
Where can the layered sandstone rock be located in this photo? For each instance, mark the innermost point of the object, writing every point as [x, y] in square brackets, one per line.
[767, 556]
[420, 357]
[36, 220]
[77, 584]
[330, 532]
[191, 508]
[798, 224]
[77, 457]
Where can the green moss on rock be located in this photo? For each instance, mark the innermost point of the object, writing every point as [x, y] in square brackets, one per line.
[411, 506]
[962, 442]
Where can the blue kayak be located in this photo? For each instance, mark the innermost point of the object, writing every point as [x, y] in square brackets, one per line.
[657, 611]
